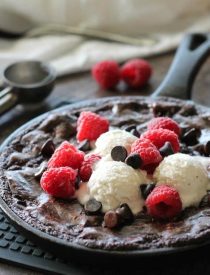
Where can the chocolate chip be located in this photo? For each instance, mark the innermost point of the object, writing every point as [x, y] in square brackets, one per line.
[92, 207]
[135, 133]
[48, 148]
[130, 128]
[125, 213]
[207, 148]
[84, 145]
[111, 219]
[188, 110]
[134, 160]
[191, 136]
[42, 169]
[146, 189]
[119, 153]
[22, 203]
[166, 149]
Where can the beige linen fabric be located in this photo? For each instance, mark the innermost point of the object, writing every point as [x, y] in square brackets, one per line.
[157, 24]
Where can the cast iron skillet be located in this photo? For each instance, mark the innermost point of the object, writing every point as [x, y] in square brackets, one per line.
[178, 83]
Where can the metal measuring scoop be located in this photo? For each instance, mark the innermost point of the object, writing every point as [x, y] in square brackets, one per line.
[27, 82]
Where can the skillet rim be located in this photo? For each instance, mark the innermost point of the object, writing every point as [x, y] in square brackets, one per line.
[34, 233]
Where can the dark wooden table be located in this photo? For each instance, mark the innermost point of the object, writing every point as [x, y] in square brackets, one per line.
[81, 86]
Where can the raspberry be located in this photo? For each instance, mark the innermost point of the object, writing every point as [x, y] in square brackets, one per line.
[106, 73]
[90, 126]
[164, 202]
[164, 123]
[66, 155]
[148, 152]
[159, 136]
[86, 169]
[59, 182]
[136, 72]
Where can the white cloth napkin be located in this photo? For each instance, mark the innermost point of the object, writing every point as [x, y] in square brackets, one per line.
[162, 21]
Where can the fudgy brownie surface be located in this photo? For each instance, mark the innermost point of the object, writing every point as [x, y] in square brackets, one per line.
[21, 159]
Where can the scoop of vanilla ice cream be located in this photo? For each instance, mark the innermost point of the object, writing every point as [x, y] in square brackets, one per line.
[205, 161]
[112, 138]
[186, 174]
[113, 183]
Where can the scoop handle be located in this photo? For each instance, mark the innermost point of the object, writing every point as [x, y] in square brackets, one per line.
[7, 100]
[189, 57]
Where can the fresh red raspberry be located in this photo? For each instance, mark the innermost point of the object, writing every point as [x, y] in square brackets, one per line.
[59, 182]
[136, 72]
[90, 126]
[164, 202]
[106, 73]
[164, 123]
[85, 170]
[159, 137]
[66, 155]
[149, 154]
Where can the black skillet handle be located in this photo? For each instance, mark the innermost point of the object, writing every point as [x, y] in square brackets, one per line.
[189, 57]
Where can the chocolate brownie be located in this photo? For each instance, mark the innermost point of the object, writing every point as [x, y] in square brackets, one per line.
[24, 159]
